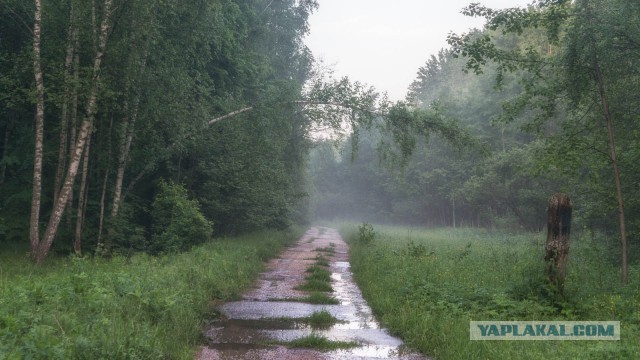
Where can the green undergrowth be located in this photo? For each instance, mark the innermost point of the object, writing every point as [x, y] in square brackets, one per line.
[141, 307]
[426, 285]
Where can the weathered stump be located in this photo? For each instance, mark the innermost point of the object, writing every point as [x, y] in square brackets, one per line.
[558, 231]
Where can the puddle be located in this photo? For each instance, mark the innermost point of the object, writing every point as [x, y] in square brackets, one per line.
[258, 319]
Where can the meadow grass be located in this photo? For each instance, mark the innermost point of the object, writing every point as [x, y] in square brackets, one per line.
[426, 285]
[122, 308]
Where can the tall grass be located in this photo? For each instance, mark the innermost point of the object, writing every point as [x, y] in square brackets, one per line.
[426, 285]
[141, 307]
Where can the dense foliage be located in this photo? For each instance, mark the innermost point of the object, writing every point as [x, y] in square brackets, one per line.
[169, 68]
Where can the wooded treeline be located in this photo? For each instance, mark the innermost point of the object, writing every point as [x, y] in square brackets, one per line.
[550, 92]
[124, 94]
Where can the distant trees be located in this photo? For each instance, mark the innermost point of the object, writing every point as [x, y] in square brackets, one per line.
[547, 93]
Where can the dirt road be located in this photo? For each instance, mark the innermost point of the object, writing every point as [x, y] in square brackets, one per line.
[267, 313]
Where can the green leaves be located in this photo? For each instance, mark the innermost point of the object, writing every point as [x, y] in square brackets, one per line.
[177, 221]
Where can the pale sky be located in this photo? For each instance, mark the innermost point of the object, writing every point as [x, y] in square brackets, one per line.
[383, 43]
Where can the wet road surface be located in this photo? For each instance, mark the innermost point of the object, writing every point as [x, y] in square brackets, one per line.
[267, 313]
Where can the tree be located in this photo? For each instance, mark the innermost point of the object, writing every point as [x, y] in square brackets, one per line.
[39, 132]
[582, 75]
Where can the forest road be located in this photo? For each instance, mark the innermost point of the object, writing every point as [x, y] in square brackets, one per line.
[267, 314]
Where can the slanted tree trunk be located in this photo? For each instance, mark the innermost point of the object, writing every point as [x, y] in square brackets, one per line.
[34, 228]
[558, 232]
[64, 118]
[74, 118]
[61, 202]
[104, 189]
[77, 244]
[128, 128]
[616, 172]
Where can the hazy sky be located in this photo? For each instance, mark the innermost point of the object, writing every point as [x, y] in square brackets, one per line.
[383, 43]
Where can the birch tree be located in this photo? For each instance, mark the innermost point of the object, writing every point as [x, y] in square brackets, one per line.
[61, 201]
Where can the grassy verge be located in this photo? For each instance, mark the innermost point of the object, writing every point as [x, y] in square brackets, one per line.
[142, 307]
[426, 285]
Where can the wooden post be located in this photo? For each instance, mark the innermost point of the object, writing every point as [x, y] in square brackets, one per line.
[558, 232]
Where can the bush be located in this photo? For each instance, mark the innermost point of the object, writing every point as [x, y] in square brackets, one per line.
[178, 223]
[366, 234]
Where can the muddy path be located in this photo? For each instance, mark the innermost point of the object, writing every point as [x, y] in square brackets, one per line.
[268, 312]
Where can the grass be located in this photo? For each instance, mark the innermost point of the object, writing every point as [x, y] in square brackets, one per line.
[321, 320]
[315, 297]
[319, 273]
[320, 298]
[319, 279]
[317, 320]
[426, 285]
[321, 260]
[318, 342]
[140, 307]
[328, 249]
[312, 284]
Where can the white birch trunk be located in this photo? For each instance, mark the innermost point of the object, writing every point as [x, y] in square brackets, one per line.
[34, 228]
[61, 201]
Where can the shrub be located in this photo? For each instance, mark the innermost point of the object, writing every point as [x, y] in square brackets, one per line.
[177, 223]
[366, 234]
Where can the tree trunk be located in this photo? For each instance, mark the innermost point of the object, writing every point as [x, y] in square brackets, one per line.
[128, 127]
[64, 126]
[74, 119]
[77, 244]
[616, 172]
[61, 201]
[34, 231]
[104, 190]
[5, 151]
[558, 232]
